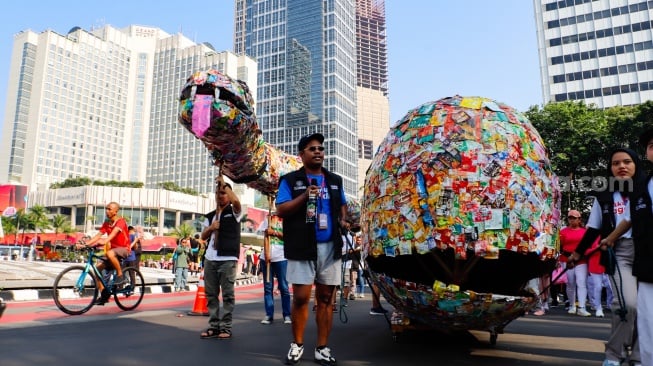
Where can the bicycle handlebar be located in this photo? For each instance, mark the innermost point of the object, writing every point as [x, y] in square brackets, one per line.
[92, 250]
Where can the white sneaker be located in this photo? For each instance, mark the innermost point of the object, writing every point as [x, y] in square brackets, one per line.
[607, 362]
[361, 296]
[583, 312]
[294, 354]
[324, 358]
[599, 313]
[572, 310]
[266, 320]
[287, 320]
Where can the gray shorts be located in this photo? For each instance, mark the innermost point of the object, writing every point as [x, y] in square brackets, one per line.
[347, 278]
[121, 252]
[325, 270]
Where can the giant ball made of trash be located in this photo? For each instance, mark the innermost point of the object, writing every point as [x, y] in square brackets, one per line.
[460, 196]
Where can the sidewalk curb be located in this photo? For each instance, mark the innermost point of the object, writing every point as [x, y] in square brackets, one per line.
[46, 293]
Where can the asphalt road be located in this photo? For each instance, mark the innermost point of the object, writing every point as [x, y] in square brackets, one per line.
[160, 332]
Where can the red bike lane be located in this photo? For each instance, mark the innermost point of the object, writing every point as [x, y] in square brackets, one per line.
[46, 310]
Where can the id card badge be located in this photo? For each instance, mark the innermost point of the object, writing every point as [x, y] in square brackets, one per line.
[323, 221]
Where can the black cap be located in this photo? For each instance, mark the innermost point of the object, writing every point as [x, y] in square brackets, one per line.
[308, 138]
[645, 137]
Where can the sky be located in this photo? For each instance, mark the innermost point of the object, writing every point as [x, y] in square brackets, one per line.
[436, 48]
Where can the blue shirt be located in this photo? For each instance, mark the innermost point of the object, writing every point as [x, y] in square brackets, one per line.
[323, 207]
[132, 254]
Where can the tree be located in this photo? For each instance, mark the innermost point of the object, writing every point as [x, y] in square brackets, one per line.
[573, 133]
[20, 221]
[184, 230]
[171, 186]
[85, 181]
[72, 182]
[627, 123]
[8, 226]
[61, 224]
[575, 137]
[39, 220]
[579, 137]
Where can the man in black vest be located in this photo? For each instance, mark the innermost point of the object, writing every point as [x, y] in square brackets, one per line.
[222, 235]
[642, 216]
[313, 248]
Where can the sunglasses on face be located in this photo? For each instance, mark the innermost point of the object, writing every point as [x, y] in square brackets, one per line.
[573, 218]
[315, 148]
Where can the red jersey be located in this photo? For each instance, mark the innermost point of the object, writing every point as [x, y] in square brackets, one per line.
[594, 262]
[122, 239]
[569, 239]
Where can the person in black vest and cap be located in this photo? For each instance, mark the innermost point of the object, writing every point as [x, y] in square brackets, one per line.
[312, 243]
[222, 235]
[642, 219]
[610, 219]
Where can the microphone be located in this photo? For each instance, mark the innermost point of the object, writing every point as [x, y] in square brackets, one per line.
[311, 205]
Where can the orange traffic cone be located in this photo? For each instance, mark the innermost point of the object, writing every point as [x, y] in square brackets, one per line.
[199, 307]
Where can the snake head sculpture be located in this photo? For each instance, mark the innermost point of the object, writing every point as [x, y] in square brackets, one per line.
[219, 111]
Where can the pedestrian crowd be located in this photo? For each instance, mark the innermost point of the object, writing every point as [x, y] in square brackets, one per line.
[608, 260]
[614, 251]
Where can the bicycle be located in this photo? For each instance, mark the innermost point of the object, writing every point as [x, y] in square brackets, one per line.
[75, 289]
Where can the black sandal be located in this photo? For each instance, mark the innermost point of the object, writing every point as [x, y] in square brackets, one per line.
[224, 334]
[209, 333]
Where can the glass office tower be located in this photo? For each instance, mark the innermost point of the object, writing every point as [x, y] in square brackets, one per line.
[103, 104]
[306, 54]
[373, 105]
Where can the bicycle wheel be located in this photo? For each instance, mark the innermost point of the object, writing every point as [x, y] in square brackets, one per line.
[74, 290]
[130, 295]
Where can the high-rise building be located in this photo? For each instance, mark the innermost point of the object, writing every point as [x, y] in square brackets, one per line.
[599, 51]
[103, 104]
[175, 155]
[372, 82]
[239, 27]
[306, 54]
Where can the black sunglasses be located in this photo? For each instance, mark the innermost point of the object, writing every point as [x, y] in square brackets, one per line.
[572, 217]
[314, 148]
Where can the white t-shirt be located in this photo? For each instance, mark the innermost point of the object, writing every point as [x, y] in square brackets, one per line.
[212, 254]
[276, 246]
[345, 248]
[621, 212]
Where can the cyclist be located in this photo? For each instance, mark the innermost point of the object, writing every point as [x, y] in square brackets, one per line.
[116, 244]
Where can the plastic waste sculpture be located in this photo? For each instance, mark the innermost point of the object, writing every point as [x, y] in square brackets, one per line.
[460, 208]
